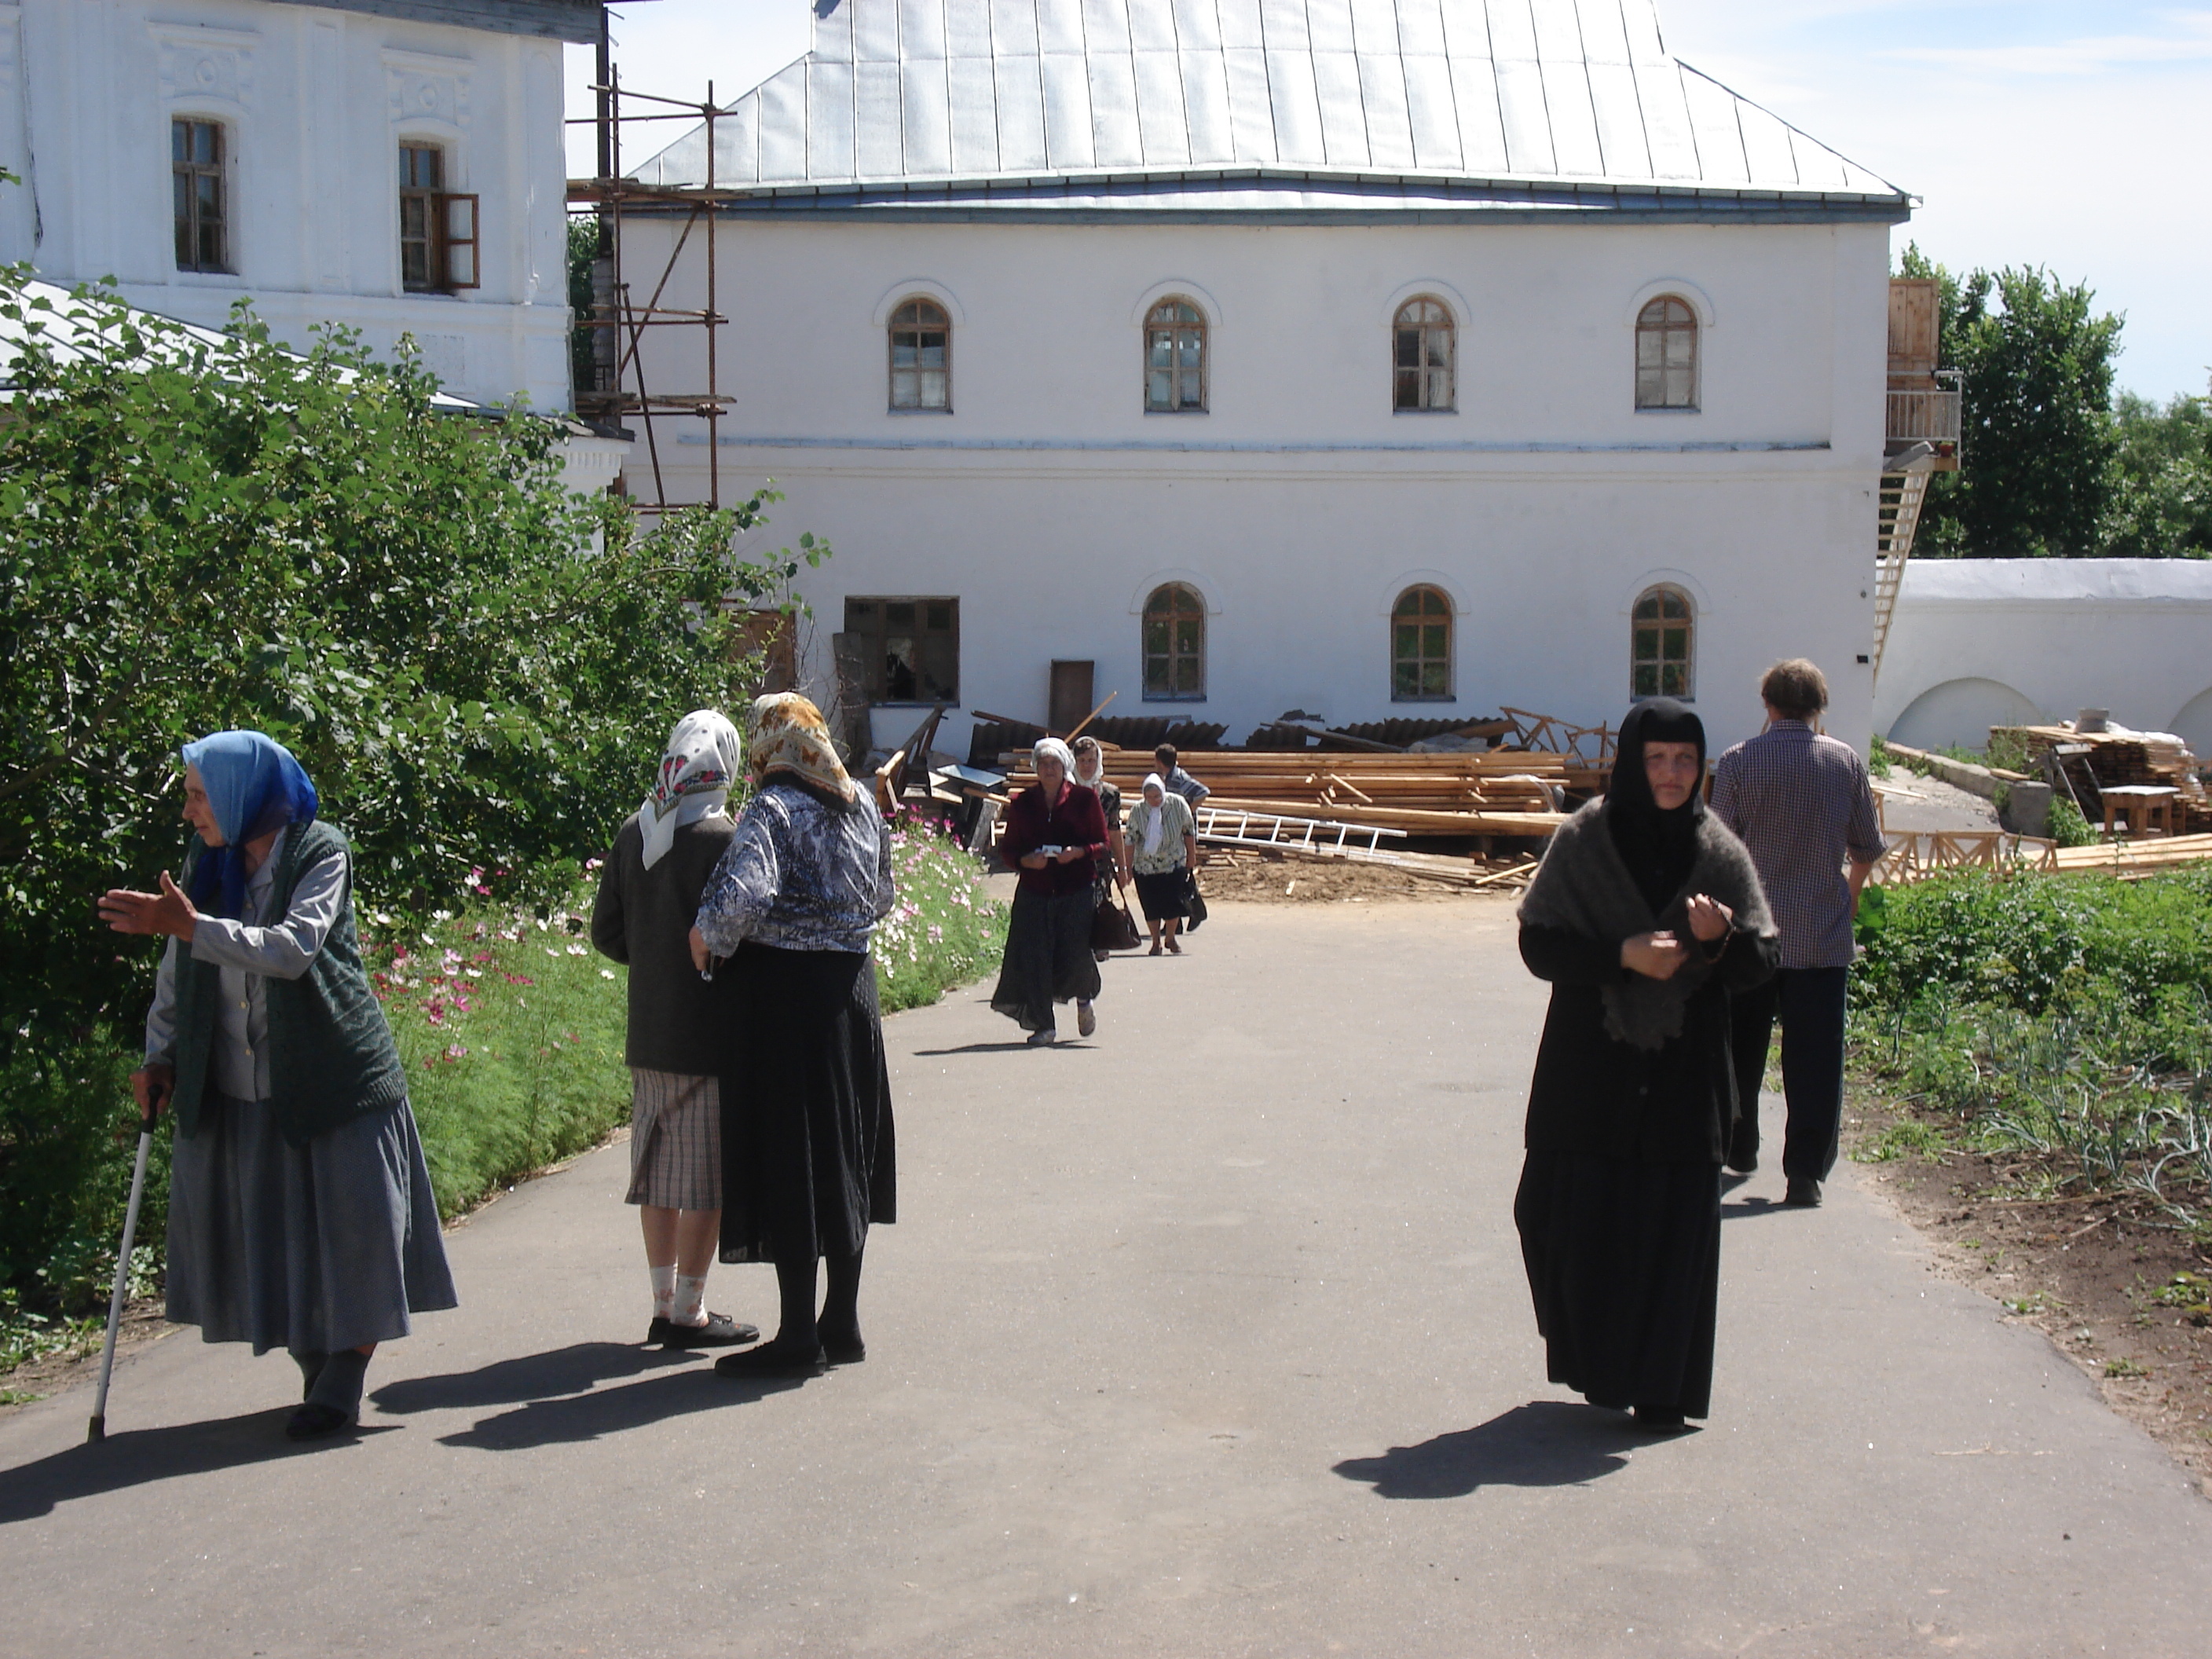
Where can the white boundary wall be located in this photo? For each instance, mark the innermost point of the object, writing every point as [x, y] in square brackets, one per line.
[1976, 642]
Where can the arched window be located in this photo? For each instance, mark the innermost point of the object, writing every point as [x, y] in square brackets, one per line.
[1420, 647]
[921, 357]
[1175, 358]
[1664, 655]
[1423, 356]
[1174, 644]
[1666, 355]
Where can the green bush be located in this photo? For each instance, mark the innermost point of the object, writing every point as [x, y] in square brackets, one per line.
[2066, 825]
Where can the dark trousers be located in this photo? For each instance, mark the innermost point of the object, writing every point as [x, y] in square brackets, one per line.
[1809, 1004]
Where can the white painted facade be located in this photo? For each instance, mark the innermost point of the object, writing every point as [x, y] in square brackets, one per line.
[1542, 168]
[315, 101]
[1980, 642]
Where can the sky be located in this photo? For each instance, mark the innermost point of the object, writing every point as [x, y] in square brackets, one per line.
[2075, 137]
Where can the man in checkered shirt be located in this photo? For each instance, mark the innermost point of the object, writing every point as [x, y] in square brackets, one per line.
[1802, 802]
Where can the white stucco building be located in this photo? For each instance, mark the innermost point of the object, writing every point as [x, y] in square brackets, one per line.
[1050, 314]
[394, 164]
[1983, 642]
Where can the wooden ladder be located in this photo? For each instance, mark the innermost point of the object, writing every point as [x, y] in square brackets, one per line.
[1898, 518]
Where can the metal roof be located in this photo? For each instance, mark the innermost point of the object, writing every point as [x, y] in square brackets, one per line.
[556, 20]
[1267, 106]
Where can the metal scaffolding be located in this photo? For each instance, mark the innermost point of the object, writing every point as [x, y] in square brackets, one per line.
[617, 393]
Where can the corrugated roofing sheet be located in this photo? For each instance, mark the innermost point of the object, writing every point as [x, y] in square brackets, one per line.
[959, 96]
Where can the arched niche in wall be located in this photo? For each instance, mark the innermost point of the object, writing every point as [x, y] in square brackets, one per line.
[1962, 712]
[2193, 725]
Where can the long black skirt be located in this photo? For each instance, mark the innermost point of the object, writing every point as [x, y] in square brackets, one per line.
[1048, 957]
[809, 1157]
[1624, 1263]
[1165, 897]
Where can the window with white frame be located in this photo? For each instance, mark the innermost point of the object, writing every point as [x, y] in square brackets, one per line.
[1666, 355]
[921, 357]
[1175, 359]
[1422, 358]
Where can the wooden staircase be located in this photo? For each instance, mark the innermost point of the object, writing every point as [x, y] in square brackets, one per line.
[1920, 435]
[1902, 495]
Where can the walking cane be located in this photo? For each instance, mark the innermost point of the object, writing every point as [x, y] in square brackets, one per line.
[98, 1432]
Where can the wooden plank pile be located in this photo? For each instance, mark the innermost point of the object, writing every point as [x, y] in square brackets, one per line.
[2135, 859]
[1452, 794]
[2094, 761]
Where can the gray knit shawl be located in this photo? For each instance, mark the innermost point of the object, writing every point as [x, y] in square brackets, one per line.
[1583, 887]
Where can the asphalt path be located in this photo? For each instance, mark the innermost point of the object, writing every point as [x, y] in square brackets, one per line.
[1206, 1336]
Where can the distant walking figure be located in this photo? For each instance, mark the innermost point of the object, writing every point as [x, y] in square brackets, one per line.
[808, 1161]
[1645, 914]
[1163, 852]
[1801, 802]
[1055, 834]
[300, 1214]
[648, 897]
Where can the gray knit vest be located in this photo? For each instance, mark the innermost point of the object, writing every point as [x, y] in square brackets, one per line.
[330, 1054]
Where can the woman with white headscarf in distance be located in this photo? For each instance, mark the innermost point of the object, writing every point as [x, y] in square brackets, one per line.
[648, 894]
[1163, 844]
[1055, 834]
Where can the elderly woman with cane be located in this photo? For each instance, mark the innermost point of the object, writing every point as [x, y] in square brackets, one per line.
[807, 1149]
[1055, 833]
[649, 890]
[300, 1214]
[1644, 916]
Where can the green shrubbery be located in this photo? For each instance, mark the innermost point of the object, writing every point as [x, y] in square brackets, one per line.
[2070, 1017]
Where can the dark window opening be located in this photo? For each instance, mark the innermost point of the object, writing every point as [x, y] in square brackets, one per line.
[909, 649]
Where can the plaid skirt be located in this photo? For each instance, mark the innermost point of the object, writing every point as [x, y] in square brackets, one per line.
[674, 1140]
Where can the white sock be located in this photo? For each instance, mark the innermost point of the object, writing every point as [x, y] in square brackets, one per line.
[691, 1300]
[664, 1289]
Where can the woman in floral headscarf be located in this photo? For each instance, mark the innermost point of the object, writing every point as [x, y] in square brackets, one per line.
[649, 891]
[300, 1214]
[807, 1148]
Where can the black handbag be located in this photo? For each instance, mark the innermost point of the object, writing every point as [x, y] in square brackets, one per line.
[1195, 902]
[1112, 927]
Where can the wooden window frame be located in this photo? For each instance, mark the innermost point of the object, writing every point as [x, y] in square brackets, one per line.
[186, 172]
[1681, 684]
[451, 237]
[1658, 322]
[1420, 660]
[1420, 335]
[1163, 318]
[929, 317]
[933, 655]
[1182, 640]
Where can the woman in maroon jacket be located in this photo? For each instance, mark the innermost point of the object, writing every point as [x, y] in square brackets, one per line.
[1055, 834]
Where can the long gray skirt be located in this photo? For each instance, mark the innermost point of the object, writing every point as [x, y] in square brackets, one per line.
[310, 1248]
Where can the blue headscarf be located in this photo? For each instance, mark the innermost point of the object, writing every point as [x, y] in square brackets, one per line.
[254, 786]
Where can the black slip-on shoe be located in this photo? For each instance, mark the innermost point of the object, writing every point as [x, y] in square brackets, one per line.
[312, 1420]
[1654, 1420]
[1802, 1193]
[719, 1331]
[773, 1359]
[844, 1350]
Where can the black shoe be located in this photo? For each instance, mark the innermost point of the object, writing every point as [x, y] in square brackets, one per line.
[314, 1421]
[1743, 1159]
[719, 1331]
[843, 1350]
[1803, 1192]
[1655, 1419]
[775, 1358]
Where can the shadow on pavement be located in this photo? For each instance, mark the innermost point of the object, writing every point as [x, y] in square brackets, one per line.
[138, 1457]
[602, 1412]
[1014, 1047]
[1546, 1443]
[558, 1371]
[1750, 1207]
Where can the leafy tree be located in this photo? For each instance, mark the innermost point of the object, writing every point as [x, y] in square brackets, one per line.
[2161, 500]
[2038, 441]
[476, 665]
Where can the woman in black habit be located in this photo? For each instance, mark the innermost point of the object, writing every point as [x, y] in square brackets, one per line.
[1645, 915]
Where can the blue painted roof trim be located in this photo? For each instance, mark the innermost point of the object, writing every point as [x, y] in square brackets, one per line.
[1231, 447]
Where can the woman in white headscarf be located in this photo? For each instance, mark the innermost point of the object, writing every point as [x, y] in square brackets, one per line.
[1163, 845]
[649, 892]
[1055, 834]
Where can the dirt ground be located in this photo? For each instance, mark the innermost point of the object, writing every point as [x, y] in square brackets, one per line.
[1263, 878]
[2126, 1298]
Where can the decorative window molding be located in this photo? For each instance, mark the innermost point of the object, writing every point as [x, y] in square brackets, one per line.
[917, 288]
[1450, 586]
[1432, 287]
[422, 87]
[1198, 581]
[1177, 288]
[209, 67]
[1699, 301]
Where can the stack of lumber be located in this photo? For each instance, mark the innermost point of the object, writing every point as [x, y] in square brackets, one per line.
[1455, 794]
[2116, 756]
[2137, 858]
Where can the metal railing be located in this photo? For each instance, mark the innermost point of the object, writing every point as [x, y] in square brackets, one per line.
[1932, 413]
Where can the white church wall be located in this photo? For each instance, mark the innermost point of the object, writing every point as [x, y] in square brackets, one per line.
[1047, 499]
[314, 102]
[1976, 642]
